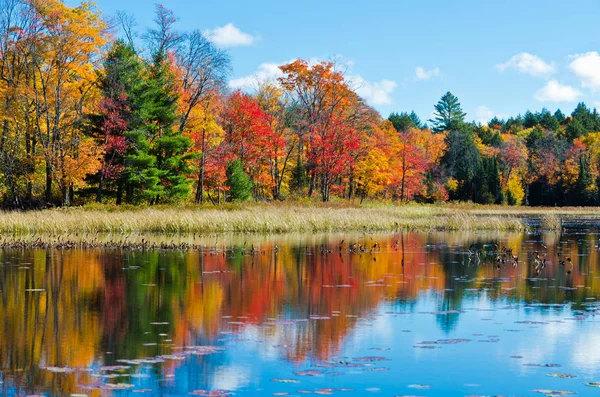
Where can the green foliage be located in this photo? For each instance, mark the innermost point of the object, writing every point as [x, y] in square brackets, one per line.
[489, 137]
[575, 129]
[547, 121]
[299, 180]
[461, 160]
[511, 199]
[559, 116]
[448, 113]
[403, 121]
[488, 184]
[240, 186]
[582, 193]
[529, 120]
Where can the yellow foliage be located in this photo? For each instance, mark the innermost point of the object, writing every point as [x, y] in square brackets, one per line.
[452, 185]
[515, 187]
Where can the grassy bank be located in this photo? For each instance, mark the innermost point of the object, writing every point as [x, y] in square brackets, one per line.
[276, 218]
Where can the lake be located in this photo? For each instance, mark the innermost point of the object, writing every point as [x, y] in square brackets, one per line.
[405, 314]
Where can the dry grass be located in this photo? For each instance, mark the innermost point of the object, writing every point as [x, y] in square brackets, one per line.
[111, 226]
[273, 218]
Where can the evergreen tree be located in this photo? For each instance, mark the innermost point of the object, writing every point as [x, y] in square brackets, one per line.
[171, 146]
[142, 174]
[416, 120]
[299, 180]
[120, 86]
[575, 129]
[240, 186]
[126, 82]
[401, 121]
[448, 113]
[529, 120]
[461, 160]
[488, 188]
[559, 116]
[582, 195]
[547, 121]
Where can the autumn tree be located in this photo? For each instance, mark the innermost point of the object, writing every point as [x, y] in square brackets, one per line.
[203, 73]
[64, 89]
[322, 97]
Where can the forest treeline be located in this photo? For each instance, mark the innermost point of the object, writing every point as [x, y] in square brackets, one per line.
[93, 110]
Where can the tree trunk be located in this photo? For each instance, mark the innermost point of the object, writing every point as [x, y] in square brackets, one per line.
[99, 192]
[200, 189]
[48, 182]
[119, 192]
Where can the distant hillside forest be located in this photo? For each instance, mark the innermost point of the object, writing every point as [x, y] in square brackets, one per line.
[88, 115]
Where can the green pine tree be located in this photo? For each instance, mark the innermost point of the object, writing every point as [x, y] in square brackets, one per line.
[240, 186]
[170, 146]
[448, 113]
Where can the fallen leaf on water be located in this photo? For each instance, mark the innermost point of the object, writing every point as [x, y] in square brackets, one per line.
[285, 380]
[310, 372]
[553, 393]
[114, 368]
[370, 358]
[562, 376]
[210, 393]
[118, 386]
[418, 386]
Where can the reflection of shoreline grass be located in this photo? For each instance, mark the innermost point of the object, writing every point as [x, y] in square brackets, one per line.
[277, 218]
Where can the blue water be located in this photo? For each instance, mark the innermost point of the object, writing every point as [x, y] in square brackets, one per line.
[421, 315]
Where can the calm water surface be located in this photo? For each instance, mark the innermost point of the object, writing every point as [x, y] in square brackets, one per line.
[384, 315]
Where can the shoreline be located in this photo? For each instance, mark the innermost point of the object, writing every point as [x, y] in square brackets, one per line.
[110, 227]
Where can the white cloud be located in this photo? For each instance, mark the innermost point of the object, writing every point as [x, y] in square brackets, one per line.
[587, 68]
[266, 72]
[422, 74]
[553, 91]
[528, 64]
[483, 114]
[230, 36]
[376, 93]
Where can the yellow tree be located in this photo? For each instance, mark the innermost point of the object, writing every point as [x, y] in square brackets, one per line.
[68, 42]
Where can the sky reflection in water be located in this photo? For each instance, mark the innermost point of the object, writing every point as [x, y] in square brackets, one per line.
[258, 316]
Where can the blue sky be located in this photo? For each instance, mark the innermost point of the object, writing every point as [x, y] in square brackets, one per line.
[498, 57]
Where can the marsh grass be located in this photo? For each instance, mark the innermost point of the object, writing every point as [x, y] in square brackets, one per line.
[259, 218]
[86, 224]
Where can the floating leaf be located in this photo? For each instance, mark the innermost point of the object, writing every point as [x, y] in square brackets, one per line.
[310, 372]
[562, 376]
[370, 358]
[118, 386]
[285, 380]
[553, 393]
[419, 386]
[210, 393]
